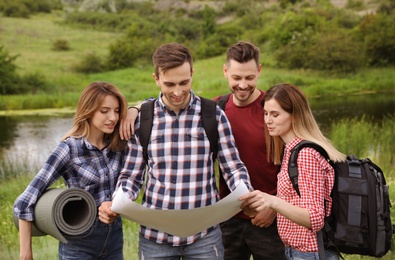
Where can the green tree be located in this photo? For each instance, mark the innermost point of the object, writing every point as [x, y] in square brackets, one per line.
[378, 34]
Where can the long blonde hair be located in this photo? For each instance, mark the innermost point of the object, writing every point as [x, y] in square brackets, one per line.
[90, 100]
[293, 101]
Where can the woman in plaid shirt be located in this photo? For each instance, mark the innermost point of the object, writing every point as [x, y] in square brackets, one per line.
[289, 120]
[90, 156]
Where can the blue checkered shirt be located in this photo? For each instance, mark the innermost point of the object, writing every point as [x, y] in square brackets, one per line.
[180, 173]
[81, 165]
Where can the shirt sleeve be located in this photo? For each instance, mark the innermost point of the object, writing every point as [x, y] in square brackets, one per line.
[52, 170]
[312, 185]
[233, 169]
[132, 175]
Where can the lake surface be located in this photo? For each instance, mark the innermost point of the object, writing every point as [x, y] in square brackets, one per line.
[30, 139]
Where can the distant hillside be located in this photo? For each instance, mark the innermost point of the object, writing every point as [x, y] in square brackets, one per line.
[360, 6]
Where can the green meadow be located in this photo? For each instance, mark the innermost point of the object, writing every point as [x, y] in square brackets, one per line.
[32, 40]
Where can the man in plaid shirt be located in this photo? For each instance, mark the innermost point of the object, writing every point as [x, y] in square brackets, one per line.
[180, 173]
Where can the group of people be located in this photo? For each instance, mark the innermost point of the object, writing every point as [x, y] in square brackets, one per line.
[102, 154]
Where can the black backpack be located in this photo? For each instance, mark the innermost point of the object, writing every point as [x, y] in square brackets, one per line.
[209, 121]
[360, 222]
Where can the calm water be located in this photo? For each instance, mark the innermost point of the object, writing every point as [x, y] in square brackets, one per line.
[30, 139]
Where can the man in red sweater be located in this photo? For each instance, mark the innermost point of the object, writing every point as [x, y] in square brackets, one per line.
[242, 236]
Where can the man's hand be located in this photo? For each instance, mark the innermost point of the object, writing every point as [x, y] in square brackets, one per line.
[106, 215]
[264, 218]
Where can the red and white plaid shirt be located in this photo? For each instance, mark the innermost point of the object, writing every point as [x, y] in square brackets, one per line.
[316, 179]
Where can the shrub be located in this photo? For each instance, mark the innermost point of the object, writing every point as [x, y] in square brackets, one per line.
[333, 51]
[91, 63]
[24, 8]
[291, 24]
[386, 7]
[9, 77]
[378, 34]
[61, 45]
[15, 9]
[33, 83]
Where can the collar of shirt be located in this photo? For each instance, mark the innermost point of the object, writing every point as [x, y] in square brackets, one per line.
[192, 101]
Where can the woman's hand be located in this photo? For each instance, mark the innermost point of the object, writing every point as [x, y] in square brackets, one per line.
[25, 240]
[256, 201]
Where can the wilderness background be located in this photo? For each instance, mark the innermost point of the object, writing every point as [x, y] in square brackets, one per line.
[51, 49]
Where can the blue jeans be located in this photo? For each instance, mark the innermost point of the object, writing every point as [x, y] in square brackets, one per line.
[293, 254]
[101, 241]
[242, 240]
[208, 247]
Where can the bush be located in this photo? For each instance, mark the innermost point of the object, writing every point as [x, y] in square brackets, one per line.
[378, 34]
[90, 63]
[33, 83]
[137, 46]
[292, 24]
[386, 7]
[61, 45]
[9, 77]
[333, 51]
[15, 9]
[24, 8]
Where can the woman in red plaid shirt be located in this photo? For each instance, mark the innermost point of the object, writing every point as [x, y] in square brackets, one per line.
[289, 120]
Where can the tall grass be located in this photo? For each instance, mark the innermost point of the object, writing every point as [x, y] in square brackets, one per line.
[366, 139]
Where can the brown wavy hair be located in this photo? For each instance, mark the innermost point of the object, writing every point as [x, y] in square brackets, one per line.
[90, 100]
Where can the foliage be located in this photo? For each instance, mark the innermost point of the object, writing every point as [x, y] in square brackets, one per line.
[347, 135]
[15, 9]
[12, 83]
[293, 24]
[386, 7]
[33, 83]
[287, 27]
[101, 21]
[378, 35]
[90, 63]
[137, 45]
[8, 73]
[25, 8]
[209, 23]
[61, 45]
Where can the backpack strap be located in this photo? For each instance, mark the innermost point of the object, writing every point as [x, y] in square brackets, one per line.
[210, 125]
[293, 165]
[209, 122]
[293, 175]
[146, 119]
[222, 100]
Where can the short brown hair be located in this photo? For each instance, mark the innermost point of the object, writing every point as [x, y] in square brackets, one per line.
[169, 56]
[243, 52]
